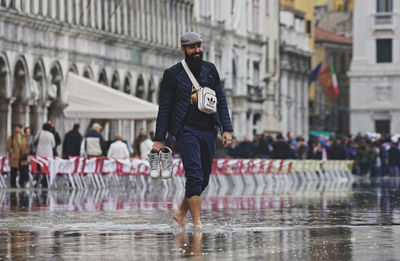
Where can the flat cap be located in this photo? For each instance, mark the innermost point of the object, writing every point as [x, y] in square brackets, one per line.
[191, 38]
[96, 126]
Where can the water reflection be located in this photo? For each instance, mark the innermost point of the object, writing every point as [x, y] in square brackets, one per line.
[191, 245]
[359, 222]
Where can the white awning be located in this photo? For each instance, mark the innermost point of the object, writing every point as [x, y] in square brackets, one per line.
[88, 99]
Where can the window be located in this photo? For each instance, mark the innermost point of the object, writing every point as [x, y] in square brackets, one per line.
[267, 7]
[343, 64]
[234, 79]
[218, 60]
[384, 6]
[256, 73]
[382, 126]
[384, 50]
[308, 26]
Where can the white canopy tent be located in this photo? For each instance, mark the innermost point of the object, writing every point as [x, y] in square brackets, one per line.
[88, 99]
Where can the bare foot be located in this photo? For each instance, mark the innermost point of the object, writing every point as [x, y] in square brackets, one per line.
[197, 226]
[180, 239]
[180, 218]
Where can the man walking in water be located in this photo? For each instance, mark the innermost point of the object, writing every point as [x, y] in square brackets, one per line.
[195, 130]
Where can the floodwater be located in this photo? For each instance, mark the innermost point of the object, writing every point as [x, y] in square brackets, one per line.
[348, 221]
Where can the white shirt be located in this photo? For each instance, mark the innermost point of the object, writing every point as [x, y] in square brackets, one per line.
[45, 144]
[118, 150]
[145, 147]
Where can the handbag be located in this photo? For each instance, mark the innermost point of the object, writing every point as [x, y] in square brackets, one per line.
[207, 98]
[23, 155]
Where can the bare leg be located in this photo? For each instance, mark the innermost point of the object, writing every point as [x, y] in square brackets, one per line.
[194, 203]
[196, 244]
[180, 214]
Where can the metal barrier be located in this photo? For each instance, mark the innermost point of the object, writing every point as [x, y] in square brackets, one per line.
[79, 173]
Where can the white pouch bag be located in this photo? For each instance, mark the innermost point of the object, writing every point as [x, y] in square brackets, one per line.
[206, 97]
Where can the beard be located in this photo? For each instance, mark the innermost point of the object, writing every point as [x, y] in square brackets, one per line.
[194, 62]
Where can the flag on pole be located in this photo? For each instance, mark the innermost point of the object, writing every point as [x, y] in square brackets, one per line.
[335, 82]
[314, 74]
[328, 80]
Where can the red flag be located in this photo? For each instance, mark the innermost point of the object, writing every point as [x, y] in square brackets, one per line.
[327, 79]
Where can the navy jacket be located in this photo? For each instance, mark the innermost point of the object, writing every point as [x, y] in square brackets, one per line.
[175, 92]
[72, 144]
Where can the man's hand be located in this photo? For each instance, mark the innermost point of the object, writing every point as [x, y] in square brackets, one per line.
[158, 145]
[226, 139]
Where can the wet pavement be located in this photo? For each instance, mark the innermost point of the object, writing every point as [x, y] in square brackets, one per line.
[359, 221]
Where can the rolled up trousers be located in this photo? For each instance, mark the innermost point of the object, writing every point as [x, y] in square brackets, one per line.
[197, 148]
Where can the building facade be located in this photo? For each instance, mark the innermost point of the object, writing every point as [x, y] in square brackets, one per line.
[332, 116]
[242, 40]
[125, 45]
[295, 53]
[335, 16]
[375, 68]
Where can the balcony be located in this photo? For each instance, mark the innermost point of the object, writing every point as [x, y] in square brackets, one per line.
[383, 19]
[298, 40]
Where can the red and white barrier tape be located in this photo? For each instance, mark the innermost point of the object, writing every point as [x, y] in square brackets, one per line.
[140, 166]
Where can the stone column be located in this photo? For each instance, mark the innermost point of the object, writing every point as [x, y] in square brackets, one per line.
[114, 129]
[28, 6]
[35, 7]
[112, 14]
[117, 14]
[235, 125]
[142, 11]
[70, 12]
[137, 19]
[98, 16]
[93, 14]
[53, 10]
[131, 18]
[189, 17]
[132, 132]
[126, 17]
[174, 24]
[178, 10]
[41, 111]
[285, 113]
[169, 24]
[61, 10]
[20, 113]
[164, 24]
[296, 111]
[148, 15]
[44, 7]
[149, 126]
[4, 119]
[17, 5]
[250, 126]
[305, 128]
[154, 17]
[84, 13]
[106, 15]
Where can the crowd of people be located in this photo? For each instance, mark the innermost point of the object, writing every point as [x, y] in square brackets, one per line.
[22, 143]
[376, 156]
